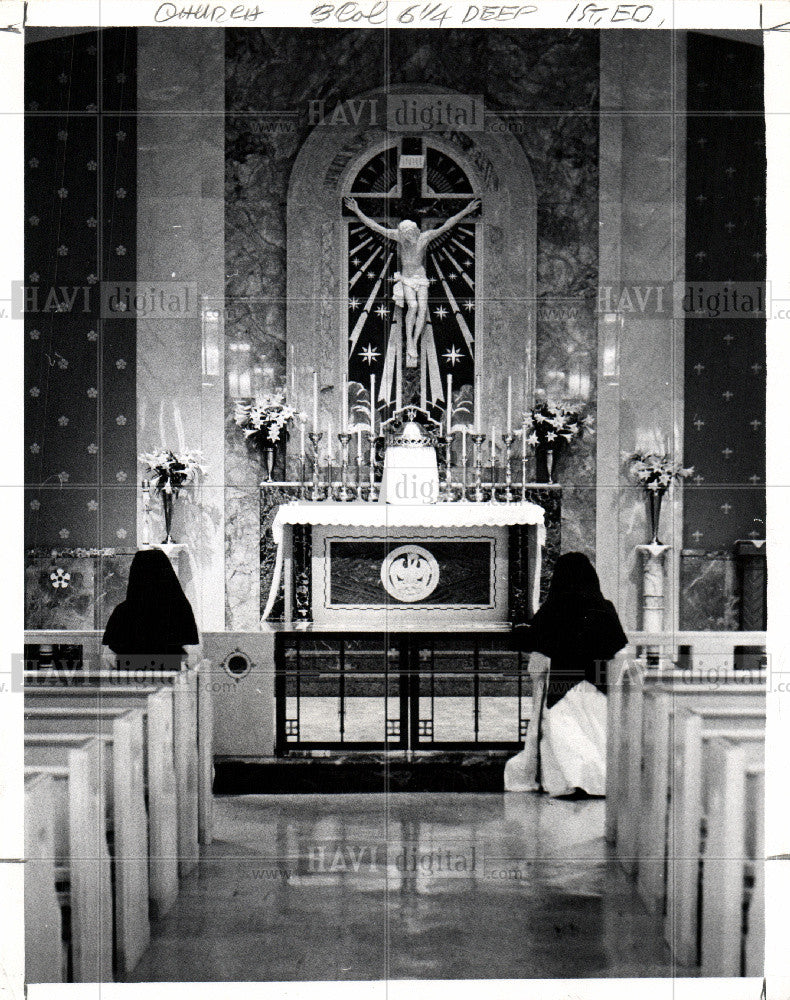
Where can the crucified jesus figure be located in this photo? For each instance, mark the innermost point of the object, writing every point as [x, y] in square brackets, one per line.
[411, 282]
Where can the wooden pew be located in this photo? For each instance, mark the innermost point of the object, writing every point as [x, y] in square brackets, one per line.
[44, 952]
[695, 729]
[186, 749]
[121, 732]
[660, 705]
[630, 795]
[95, 663]
[81, 857]
[734, 846]
[707, 658]
[157, 708]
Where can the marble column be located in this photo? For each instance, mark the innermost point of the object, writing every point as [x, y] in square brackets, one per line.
[180, 224]
[641, 250]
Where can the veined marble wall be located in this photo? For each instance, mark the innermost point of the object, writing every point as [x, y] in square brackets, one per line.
[642, 218]
[543, 86]
[180, 398]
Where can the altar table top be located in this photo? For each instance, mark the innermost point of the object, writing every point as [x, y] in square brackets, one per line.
[382, 515]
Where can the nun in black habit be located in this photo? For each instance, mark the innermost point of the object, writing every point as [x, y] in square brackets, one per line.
[150, 629]
[577, 631]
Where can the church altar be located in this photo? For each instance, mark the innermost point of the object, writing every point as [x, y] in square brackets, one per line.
[372, 565]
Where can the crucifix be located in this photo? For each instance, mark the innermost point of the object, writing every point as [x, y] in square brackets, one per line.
[411, 285]
[411, 282]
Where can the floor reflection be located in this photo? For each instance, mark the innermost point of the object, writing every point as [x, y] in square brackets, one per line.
[447, 886]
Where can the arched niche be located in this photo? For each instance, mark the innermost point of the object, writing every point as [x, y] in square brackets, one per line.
[500, 173]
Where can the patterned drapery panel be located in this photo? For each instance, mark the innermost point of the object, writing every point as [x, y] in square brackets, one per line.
[725, 245]
[80, 245]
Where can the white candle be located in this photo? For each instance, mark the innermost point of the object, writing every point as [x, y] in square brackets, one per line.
[315, 402]
[449, 404]
[301, 439]
[372, 404]
[509, 404]
[344, 407]
[493, 446]
[478, 405]
[524, 441]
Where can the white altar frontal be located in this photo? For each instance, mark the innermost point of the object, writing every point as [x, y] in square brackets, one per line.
[384, 567]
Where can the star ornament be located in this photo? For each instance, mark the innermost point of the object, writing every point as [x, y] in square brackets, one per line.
[452, 356]
[369, 355]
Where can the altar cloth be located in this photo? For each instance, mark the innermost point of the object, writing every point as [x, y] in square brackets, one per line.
[418, 515]
[357, 514]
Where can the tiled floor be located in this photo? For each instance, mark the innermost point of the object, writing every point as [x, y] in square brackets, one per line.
[423, 886]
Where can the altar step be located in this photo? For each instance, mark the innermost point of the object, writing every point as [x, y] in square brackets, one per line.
[452, 771]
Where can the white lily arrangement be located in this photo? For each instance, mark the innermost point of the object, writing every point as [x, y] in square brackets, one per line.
[655, 473]
[550, 425]
[169, 472]
[264, 421]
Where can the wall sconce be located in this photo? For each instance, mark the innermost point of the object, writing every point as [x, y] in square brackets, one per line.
[239, 369]
[610, 329]
[211, 318]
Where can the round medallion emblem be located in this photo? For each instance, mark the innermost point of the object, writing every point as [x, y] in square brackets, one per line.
[410, 573]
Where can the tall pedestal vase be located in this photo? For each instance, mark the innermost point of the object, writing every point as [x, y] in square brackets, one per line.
[545, 464]
[654, 500]
[167, 509]
[269, 459]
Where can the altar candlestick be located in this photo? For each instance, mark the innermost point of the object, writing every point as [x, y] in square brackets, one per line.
[509, 404]
[330, 457]
[315, 402]
[493, 466]
[345, 493]
[508, 440]
[301, 440]
[478, 405]
[372, 404]
[372, 492]
[463, 461]
[524, 462]
[359, 462]
[344, 407]
[449, 404]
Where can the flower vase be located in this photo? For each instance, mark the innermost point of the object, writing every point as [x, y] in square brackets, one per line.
[270, 459]
[544, 464]
[167, 508]
[550, 464]
[655, 497]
